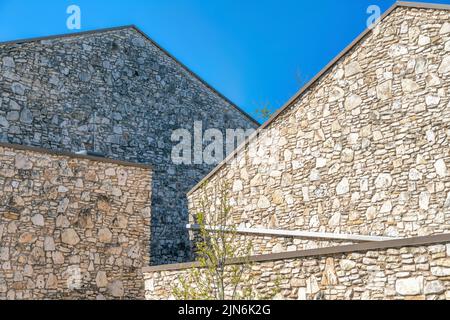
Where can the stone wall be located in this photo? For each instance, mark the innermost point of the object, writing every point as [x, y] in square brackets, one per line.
[407, 273]
[118, 86]
[72, 227]
[364, 150]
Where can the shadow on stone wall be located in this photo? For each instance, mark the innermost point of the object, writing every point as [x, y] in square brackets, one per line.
[169, 241]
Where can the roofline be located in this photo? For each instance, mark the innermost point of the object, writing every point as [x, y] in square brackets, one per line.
[422, 5]
[182, 65]
[65, 35]
[299, 93]
[210, 87]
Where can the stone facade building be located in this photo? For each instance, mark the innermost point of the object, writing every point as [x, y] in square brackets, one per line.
[72, 227]
[349, 181]
[362, 150]
[117, 93]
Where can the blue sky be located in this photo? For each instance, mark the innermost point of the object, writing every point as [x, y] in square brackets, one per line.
[253, 51]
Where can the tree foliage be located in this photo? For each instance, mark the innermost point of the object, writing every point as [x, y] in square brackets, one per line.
[224, 267]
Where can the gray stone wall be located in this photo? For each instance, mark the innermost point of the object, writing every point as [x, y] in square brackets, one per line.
[365, 150]
[414, 273]
[71, 227]
[55, 93]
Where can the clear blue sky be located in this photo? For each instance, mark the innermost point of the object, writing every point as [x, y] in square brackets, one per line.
[252, 51]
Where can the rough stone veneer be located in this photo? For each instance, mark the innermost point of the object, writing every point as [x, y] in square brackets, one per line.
[418, 273]
[72, 227]
[121, 88]
[364, 150]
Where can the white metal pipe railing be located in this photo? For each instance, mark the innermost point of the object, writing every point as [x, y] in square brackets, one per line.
[294, 234]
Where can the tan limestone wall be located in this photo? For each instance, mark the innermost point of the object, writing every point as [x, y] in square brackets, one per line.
[389, 274]
[365, 150]
[72, 227]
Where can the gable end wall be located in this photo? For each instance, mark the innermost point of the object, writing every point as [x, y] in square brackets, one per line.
[365, 150]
